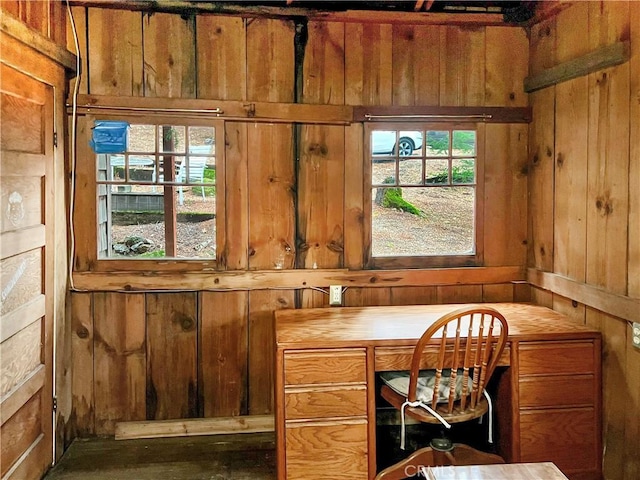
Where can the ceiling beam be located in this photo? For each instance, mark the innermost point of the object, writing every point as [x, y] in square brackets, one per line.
[359, 16]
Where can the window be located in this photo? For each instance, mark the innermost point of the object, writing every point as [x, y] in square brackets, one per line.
[424, 199]
[158, 198]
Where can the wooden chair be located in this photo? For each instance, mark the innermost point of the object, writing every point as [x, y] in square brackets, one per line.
[464, 349]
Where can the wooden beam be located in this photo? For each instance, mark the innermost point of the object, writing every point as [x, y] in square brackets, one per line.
[195, 426]
[604, 57]
[287, 12]
[231, 110]
[620, 306]
[148, 280]
[429, 114]
[18, 30]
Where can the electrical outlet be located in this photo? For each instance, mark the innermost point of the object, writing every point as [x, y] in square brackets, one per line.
[335, 294]
[635, 339]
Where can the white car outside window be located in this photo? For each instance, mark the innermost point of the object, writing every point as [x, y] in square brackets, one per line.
[383, 142]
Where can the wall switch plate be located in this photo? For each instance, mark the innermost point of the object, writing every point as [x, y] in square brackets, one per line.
[635, 335]
[335, 295]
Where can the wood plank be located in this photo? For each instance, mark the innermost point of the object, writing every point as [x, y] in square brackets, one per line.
[261, 351]
[16, 399]
[116, 59]
[459, 294]
[505, 195]
[270, 60]
[21, 278]
[602, 58]
[22, 202]
[224, 353]
[57, 22]
[21, 32]
[633, 269]
[362, 297]
[235, 249]
[570, 212]
[462, 66]
[20, 356]
[620, 306]
[256, 280]
[541, 184]
[542, 45]
[323, 67]
[119, 359]
[321, 197]
[413, 295]
[354, 217]
[271, 197]
[36, 16]
[498, 293]
[171, 330]
[169, 56]
[368, 64]
[23, 316]
[17, 242]
[34, 462]
[82, 422]
[504, 86]
[199, 426]
[282, 112]
[415, 76]
[18, 434]
[222, 53]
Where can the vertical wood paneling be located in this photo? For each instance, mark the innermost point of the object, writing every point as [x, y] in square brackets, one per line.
[413, 295]
[82, 423]
[505, 195]
[115, 52]
[417, 64]
[633, 273]
[368, 64]
[321, 197]
[234, 251]
[58, 22]
[504, 86]
[362, 297]
[169, 55]
[323, 68]
[354, 166]
[270, 60]
[262, 304]
[36, 16]
[223, 353]
[221, 56]
[119, 359]
[498, 293]
[171, 336]
[462, 66]
[271, 180]
[459, 294]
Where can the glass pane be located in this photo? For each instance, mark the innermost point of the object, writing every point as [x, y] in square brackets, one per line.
[464, 142]
[423, 221]
[165, 162]
[110, 168]
[141, 168]
[463, 170]
[202, 140]
[171, 138]
[409, 144]
[383, 172]
[383, 142]
[437, 171]
[411, 172]
[142, 138]
[437, 143]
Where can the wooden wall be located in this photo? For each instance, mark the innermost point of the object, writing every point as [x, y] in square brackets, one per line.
[585, 206]
[137, 356]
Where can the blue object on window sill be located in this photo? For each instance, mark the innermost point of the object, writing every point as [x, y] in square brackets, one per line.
[109, 136]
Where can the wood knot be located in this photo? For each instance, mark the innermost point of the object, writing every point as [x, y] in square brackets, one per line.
[512, 96]
[560, 160]
[549, 152]
[536, 159]
[82, 332]
[186, 323]
[542, 251]
[604, 206]
[318, 149]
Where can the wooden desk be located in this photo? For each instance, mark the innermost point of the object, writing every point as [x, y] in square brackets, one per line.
[548, 406]
[510, 471]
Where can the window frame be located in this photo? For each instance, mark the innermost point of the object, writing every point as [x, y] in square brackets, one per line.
[86, 225]
[424, 261]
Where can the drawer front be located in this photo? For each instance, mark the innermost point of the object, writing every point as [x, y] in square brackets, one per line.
[557, 391]
[336, 451]
[556, 358]
[566, 437]
[325, 366]
[325, 402]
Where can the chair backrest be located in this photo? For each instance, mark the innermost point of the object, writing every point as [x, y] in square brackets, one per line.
[195, 170]
[470, 341]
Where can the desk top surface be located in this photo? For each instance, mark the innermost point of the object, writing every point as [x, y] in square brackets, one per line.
[521, 471]
[403, 325]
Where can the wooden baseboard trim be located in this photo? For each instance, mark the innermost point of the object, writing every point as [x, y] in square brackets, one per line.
[620, 306]
[195, 426]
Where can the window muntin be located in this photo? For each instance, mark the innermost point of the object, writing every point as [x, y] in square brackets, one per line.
[423, 198]
[158, 198]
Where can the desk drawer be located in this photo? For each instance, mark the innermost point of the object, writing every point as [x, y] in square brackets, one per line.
[557, 391]
[399, 358]
[325, 402]
[556, 358]
[325, 366]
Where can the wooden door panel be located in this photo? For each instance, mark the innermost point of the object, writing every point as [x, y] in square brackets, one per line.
[26, 309]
